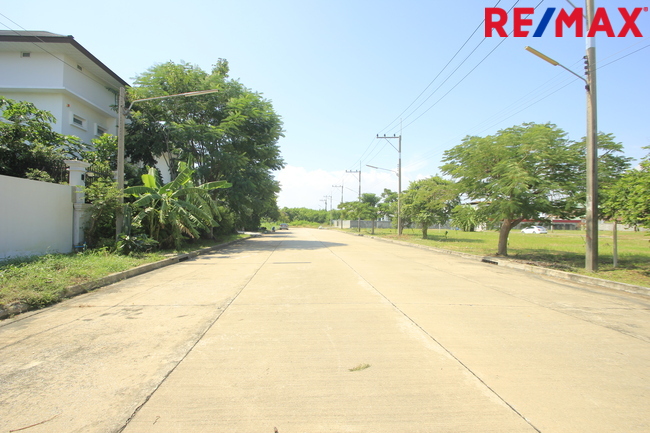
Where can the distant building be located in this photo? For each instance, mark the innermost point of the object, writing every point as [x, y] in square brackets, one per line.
[57, 74]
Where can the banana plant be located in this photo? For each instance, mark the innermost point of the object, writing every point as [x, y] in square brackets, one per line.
[177, 209]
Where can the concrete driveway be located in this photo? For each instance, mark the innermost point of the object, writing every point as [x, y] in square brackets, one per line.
[318, 331]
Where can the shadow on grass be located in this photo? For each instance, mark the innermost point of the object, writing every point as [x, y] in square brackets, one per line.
[449, 239]
[561, 260]
[568, 261]
[413, 237]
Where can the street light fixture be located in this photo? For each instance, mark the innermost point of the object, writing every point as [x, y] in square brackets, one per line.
[384, 169]
[552, 62]
[120, 139]
[591, 252]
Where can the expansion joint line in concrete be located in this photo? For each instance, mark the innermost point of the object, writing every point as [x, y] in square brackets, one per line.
[207, 329]
[437, 343]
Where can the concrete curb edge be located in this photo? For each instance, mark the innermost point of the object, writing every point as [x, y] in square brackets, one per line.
[14, 309]
[577, 278]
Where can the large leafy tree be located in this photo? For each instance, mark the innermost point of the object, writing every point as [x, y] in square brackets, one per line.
[429, 201]
[523, 172]
[231, 134]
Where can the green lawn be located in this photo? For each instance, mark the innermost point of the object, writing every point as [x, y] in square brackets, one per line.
[563, 250]
[41, 280]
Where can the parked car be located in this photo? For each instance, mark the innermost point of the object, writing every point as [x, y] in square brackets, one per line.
[284, 226]
[536, 230]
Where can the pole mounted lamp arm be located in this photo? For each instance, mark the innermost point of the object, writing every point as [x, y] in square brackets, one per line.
[552, 62]
[200, 92]
[380, 168]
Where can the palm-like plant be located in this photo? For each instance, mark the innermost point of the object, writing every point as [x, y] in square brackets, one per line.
[177, 209]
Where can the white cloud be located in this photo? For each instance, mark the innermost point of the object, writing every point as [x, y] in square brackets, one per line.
[302, 188]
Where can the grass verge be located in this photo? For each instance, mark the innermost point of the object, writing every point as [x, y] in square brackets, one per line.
[39, 281]
[561, 250]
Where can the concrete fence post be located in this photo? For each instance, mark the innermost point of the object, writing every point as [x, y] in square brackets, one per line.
[76, 176]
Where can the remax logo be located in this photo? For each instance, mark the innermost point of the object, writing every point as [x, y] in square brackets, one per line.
[497, 18]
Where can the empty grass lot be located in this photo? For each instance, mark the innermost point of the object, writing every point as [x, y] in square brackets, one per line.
[562, 250]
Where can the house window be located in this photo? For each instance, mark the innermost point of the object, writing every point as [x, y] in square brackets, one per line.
[100, 130]
[79, 122]
[25, 54]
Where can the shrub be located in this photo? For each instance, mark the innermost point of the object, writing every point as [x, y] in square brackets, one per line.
[133, 244]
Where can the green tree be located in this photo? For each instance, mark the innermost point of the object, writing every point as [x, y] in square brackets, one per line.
[429, 201]
[466, 217]
[612, 165]
[369, 207]
[352, 210]
[29, 148]
[388, 203]
[523, 172]
[288, 215]
[177, 209]
[231, 134]
[628, 200]
[102, 155]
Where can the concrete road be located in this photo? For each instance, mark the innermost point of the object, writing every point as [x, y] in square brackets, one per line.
[318, 331]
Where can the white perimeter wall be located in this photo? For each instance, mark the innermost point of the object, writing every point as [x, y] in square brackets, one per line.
[35, 217]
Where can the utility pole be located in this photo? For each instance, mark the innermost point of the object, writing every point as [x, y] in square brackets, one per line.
[340, 214]
[357, 172]
[330, 199]
[591, 205]
[399, 180]
[591, 254]
[121, 120]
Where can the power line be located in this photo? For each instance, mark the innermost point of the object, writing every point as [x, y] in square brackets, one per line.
[542, 97]
[369, 149]
[399, 117]
[466, 75]
[620, 58]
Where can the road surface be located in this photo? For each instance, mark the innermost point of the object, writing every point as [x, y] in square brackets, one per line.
[319, 331]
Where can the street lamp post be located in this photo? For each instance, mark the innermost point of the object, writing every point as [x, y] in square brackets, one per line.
[591, 251]
[121, 121]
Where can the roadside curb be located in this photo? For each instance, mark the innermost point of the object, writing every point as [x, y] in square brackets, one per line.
[78, 289]
[508, 263]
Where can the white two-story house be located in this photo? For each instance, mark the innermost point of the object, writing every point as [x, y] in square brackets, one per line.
[59, 75]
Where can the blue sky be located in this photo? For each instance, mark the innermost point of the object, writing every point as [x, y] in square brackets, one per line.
[340, 72]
